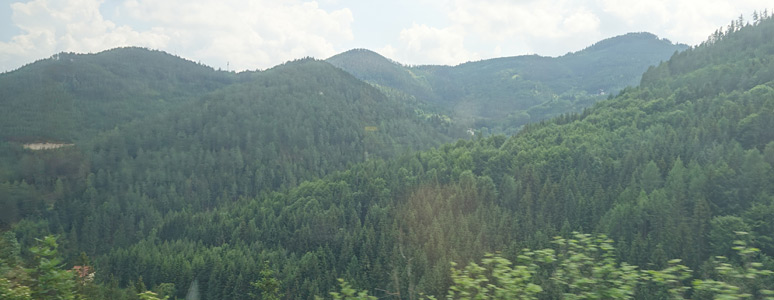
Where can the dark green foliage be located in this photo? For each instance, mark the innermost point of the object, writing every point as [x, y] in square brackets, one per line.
[71, 97]
[374, 68]
[293, 123]
[504, 94]
[275, 169]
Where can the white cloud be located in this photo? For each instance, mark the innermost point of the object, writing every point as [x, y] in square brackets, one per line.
[501, 20]
[244, 34]
[423, 44]
[490, 28]
[681, 21]
[390, 52]
[582, 21]
[54, 26]
[531, 24]
[262, 33]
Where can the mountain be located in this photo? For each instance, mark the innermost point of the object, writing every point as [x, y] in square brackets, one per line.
[509, 92]
[295, 122]
[265, 183]
[371, 67]
[669, 170]
[71, 97]
[272, 132]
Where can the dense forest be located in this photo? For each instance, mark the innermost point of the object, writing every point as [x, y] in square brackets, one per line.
[71, 97]
[302, 180]
[501, 95]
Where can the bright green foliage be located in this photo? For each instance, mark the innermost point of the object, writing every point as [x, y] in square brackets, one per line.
[10, 291]
[495, 278]
[268, 285]
[148, 295]
[165, 290]
[668, 282]
[581, 267]
[49, 280]
[587, 269]
[747, 280]
[349, 293]
[12, 276]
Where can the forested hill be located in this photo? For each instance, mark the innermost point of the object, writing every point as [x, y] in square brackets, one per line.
[614, 63]
[295, 122]
[71, 97]
[281, 127]
[291, 123]
[511, 91]
[668, 170]
[377, 69]
[192, 203]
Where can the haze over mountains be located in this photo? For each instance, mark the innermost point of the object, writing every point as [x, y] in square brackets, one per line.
[509, 92]
[70, 95]
[184, 179]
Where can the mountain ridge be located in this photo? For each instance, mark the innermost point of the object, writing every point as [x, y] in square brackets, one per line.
[508, 92]
[670, 177]
[65, 96]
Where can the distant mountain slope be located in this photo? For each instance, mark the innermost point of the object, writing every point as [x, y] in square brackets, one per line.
[615, 63]
[292, 123]
[512, 91]
[296, 121]
[71, 97]
[374, 68]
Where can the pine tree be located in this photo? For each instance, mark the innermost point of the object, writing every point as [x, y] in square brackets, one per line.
[268, 285]
[50, 281]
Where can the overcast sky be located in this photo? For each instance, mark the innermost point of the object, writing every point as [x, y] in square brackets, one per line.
[258, 34]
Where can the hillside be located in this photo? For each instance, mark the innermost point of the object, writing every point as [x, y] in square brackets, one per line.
[506, 93]
[292, 123]
[667, 170]
[238, 193]
[371, 67]
[71, 97]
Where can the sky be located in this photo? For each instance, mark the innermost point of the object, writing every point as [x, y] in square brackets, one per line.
[258, 34]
